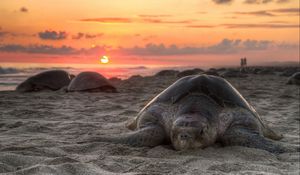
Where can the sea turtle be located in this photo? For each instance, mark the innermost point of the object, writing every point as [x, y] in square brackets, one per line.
[167, 73]
[294, 79]
[48, 80]
[91, 82]
[198, 111]
[232, 73]
[190, 72]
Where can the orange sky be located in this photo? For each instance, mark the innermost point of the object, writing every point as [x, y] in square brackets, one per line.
[144, 32]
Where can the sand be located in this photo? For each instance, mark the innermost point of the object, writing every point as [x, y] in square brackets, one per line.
[39, 131]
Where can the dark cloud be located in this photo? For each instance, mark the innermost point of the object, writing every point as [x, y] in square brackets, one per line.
[52, 35]
[223, 1]
[23, 9]
[81, 35]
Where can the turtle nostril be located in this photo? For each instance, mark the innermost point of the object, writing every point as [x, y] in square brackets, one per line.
[184, 136]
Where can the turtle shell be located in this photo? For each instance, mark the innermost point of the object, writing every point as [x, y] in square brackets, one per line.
[217, 88]
[53, 80]
[91, 81]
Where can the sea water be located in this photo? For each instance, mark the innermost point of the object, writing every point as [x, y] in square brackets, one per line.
[11, 77]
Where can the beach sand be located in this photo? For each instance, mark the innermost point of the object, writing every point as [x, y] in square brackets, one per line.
[39, 131]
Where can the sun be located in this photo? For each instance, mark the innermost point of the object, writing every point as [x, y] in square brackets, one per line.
[104, 60]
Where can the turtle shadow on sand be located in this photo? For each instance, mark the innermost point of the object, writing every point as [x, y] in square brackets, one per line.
[196, 112]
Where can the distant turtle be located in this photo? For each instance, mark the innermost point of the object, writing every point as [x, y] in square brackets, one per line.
[212, 71]
[91, 82]
[189, 72]
[289, 71]
[233, 74]
[294, 79]
[266, 71]
[48, 80]
[196, 112]
[167, 73]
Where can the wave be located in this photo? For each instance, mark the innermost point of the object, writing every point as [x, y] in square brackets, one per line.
[9, 70]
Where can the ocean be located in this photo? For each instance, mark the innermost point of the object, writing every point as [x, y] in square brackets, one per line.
[10, 77]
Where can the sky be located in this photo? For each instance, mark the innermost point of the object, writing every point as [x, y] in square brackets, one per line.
[148, 32]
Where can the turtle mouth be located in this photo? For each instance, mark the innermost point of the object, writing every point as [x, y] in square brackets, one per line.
[182, 145]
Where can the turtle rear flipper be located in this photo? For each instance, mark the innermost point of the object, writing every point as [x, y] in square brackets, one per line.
[239, 136]
[269, 133]
[149, 136]
[131, 124]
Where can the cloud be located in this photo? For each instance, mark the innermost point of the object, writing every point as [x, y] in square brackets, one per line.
[107, 20]
[38, 49]
[78, 36]
[14, 34]
[257, 1]
[89, 36]
[81, 35]
[256, 13]
[265, 1]
[153, 19]
[272, 24]
[282, 1]
[223, 1]
[157, 21]
[23, 9]
[3, 34]
[52, 35]
[202, 26]
[272, 12]
[261, 25]
[251, 1]
[226, 46]
[286, 10]
[154, 16]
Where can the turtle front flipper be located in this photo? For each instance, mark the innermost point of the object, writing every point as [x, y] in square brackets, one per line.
[240, 136]
[148, 136]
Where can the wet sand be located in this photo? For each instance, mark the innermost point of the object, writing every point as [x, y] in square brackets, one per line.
[39, 131]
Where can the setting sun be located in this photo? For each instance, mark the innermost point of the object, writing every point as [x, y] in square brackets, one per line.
[104, 60]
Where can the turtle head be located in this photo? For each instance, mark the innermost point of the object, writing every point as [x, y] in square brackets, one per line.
[192, 131]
